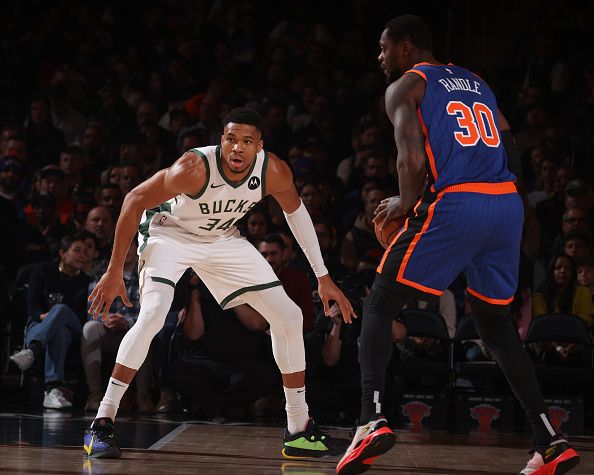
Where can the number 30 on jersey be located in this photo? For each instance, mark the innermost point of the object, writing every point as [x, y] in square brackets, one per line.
[476, 123]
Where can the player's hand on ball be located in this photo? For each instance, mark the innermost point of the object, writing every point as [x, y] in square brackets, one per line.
[387, 210]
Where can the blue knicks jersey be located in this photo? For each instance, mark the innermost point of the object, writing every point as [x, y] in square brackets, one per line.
[458, 116]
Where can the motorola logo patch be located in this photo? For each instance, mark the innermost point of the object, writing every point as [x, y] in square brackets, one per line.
[253, 183]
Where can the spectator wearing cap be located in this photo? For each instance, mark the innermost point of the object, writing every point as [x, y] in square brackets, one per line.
[44, 141]
[11, 177]
[51, 181]
[44, 231]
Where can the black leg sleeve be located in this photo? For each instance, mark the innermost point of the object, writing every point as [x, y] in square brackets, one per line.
[497, 331]
[380, 308]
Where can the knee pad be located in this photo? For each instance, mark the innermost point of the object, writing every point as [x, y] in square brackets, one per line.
[153, 310]
[286, 327]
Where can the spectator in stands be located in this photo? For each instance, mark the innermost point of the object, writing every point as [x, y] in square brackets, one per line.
[578, 194]
[100, 222]
[11, 177]
[95, 148]
[82, 203]
[56, 304]
[130, 175]
[578, 246]
[44, 141]
[73, 167]
[92, 266]
[221, 367]
[98, 336]
[52, 182]
[361, 239]
[44, 231]
[546, 178]
[585, 275]
[561, 294]
[64, 116]
[364, 139]
[532, 170]
[110, 197]
[16, 146]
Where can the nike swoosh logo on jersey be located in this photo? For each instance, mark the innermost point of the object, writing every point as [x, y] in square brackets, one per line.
[212, 185]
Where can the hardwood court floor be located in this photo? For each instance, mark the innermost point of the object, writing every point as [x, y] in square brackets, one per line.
[30, 445]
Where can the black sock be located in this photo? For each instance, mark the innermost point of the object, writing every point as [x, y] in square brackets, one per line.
[53, 385]
[37, 348]
[497, 331]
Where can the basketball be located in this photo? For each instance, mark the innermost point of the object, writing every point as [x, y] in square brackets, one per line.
[391, 228]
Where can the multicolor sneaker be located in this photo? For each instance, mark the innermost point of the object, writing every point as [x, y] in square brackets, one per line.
[312, 443]
[559, 458]
[370, 441]
[99, 441]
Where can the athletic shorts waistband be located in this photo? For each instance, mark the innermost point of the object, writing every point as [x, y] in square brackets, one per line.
[502, 188]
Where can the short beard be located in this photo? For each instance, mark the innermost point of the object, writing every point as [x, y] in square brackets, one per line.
[392, 77]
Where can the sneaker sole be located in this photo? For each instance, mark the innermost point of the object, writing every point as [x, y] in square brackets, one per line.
[111, 453]
[561, 465]
[372, 447]
[302, 454]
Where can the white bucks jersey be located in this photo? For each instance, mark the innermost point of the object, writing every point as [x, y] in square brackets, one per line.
[213, 212]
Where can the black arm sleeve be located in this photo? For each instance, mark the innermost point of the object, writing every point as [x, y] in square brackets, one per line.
[513, 154]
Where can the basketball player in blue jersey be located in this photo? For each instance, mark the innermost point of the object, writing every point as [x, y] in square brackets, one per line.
[190, 210]
[465, 215]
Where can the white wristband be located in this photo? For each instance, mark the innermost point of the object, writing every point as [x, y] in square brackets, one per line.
[301, 226]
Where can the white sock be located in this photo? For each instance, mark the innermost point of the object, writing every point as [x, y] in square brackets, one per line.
[297, 410]
[111, 401]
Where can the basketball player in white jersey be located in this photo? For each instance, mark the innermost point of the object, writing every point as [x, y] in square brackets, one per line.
[189, 212]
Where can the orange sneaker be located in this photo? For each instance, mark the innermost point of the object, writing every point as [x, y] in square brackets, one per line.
[559, 458]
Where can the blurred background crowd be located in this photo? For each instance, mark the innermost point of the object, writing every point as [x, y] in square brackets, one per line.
[96, 97]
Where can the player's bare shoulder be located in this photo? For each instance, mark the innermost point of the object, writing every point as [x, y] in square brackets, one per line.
[187, 174]
[278, 174]
[410, 88]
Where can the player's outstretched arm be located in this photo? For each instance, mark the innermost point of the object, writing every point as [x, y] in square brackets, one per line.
[186, 175]
[280, 185]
